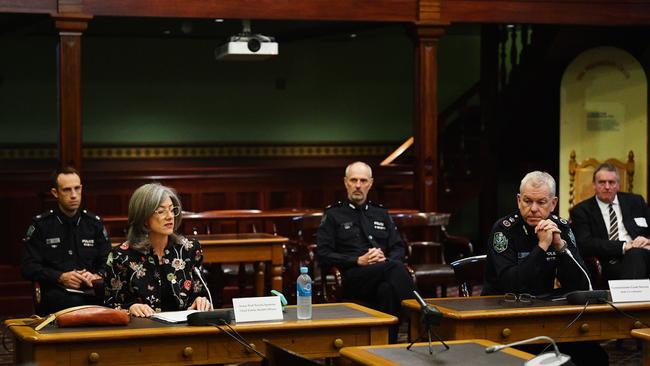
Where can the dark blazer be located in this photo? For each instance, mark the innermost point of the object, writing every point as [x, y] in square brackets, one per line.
[591, 231]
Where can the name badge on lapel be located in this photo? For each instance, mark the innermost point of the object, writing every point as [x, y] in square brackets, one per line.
[88, 242]
[379, 225]
[53, 242]
[641, 222]
[347, 225]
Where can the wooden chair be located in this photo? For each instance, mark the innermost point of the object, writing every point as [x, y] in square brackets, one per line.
[96, 299]
[581, 188]
[469, 272]
[429, 260]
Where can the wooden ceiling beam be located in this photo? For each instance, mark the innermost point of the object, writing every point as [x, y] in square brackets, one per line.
[576, 12]
[345, 10]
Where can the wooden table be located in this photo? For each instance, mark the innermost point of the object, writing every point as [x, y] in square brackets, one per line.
[644, 334]
[488, 317]
[147, 342]
[466, 352]
[250, 247]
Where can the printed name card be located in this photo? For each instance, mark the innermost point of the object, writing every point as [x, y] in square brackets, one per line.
[630, 290]
[257, 309]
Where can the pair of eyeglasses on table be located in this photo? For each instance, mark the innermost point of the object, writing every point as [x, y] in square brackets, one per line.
[511, 298]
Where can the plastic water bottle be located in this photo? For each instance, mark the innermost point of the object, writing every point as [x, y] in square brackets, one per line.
[303, 285]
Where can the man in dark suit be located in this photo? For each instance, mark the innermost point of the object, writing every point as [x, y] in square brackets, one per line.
[613, 226]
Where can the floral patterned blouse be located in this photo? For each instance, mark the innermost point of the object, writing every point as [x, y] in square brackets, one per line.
[137, 277]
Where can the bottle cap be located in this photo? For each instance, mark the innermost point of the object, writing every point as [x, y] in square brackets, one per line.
[304, 270]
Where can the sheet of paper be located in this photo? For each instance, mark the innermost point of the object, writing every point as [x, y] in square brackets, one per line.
[630, 290]
[173, 316]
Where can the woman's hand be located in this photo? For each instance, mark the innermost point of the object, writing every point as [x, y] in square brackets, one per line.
[201, 304]
[141, 310]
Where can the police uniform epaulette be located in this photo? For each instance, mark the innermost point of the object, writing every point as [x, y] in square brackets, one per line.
[43, 215]
[508, 221]
[375, 204]
[91, 215]
[562, 221]
[335, 204]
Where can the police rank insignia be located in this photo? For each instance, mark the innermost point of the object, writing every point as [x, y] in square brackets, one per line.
[572, 237]
[500, 242]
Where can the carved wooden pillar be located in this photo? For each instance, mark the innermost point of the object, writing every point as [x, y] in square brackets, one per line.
[70, 28]
[426, 116]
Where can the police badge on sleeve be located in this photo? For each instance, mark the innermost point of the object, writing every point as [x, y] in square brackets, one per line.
[500, 242]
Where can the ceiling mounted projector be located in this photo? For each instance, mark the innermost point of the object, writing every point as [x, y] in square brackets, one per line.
[247, 47]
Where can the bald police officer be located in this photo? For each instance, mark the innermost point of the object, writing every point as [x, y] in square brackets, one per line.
[65, 248]
[361, 239]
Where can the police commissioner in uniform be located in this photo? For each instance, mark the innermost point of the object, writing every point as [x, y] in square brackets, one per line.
[516, 263]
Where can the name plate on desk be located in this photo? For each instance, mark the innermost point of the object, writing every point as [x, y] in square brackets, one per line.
[257, 309]
[630, 290]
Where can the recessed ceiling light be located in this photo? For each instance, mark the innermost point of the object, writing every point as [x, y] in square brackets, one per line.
[167, 31]
[218, 20]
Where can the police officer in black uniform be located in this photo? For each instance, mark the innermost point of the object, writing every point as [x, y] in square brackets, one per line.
[65, 248]
[527, 250]
[360, 238]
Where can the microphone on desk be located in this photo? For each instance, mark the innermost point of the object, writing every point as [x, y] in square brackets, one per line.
[198, 273]
[202, 318]
[583, 297]
[547, 359]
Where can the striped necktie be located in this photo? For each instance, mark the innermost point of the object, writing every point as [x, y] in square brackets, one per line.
[613, 224]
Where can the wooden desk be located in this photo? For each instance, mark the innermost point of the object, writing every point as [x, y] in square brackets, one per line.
[252, 247]
[487, 317]
[147, 342]
[644, 334]
[467, 352]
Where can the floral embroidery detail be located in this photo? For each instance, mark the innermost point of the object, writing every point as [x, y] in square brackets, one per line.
[187, 284]
[187, 244]
[171, 277]
[116, 284]
[136, 278]
[138, 269]
[178, 264]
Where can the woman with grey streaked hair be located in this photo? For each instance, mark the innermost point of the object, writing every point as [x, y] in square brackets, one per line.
[153, 270]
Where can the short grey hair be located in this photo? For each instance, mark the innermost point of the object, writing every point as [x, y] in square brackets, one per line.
[538, 179]
[144, 201]
[347, 168]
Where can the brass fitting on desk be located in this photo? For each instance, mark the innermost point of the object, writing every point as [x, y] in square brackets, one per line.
[584, 328]
[93, 357]
[338, 343]
[505, 333]
[187, 352]
[637, 325]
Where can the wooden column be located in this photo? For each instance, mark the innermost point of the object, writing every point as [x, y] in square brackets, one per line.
[425, 130]
[70, 28]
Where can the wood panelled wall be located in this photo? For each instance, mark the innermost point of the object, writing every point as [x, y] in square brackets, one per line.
[107, 188]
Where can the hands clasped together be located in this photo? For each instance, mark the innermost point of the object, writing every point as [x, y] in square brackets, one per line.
[548, 233]
[75, 279]
[372, 256]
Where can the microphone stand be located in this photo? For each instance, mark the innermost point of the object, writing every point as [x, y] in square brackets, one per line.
[430, 317]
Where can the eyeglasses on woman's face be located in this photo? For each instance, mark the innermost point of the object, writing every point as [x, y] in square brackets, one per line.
[162, 211]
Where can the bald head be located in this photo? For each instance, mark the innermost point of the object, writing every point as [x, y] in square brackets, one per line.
[358, 180]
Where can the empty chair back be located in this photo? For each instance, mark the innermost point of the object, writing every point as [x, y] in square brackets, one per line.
[469, 271]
